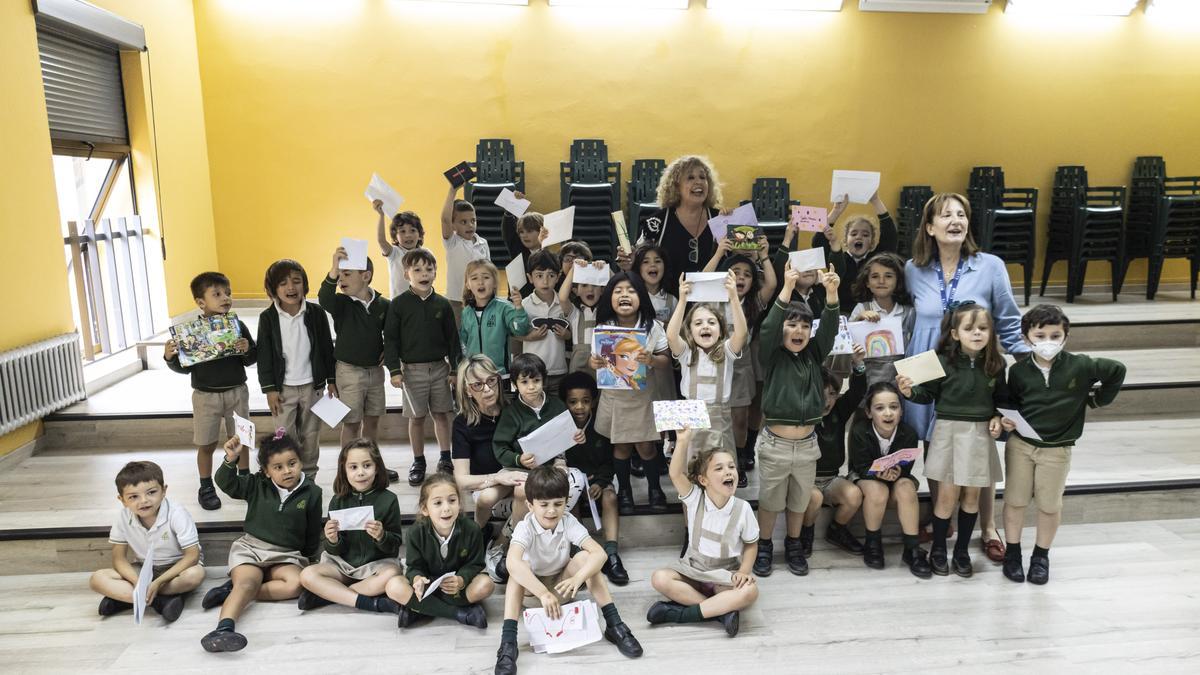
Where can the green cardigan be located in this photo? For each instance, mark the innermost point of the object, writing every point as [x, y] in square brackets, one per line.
[792, 391]
[271, 366]
[966, 393]
[359, 329]
[357, 547]
[864, 446]
[1056, 410]
[294, 524]
[519, 420]
[423, 555]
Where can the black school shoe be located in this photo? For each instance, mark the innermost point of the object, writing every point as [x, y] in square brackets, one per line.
[793, 553]
[938, 563]
[661, 611]
[309, 600]
[873, 553]
[207, 496]
[743, 479]
[806, 540]
[731, 622]
[620, 635]
[614, 569]
[1039, 570]
[223, 641]
[393, 476]
[169, 607]
[471, 615]
[762, 559]
[405, 617]
[961, 562]
[1014, 570]
[506, 659]
[416, 472]
[108, 606]
[918, 562]
[216, 596]
[446, 466]
[625, 505]
[657, 501]
[840, 536]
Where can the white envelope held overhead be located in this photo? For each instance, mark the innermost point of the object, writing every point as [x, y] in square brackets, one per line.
[560, 225]
[508, 201]
[1023, 427]
[921, 368]
[354, 518]
[551, 439]
[515, 271]
[589, 274]
[859, 185]
[707, 286]
[330, 410]
[436, 584]
[808, 259]
[378, 189]
[356, 254]
[244, 430]
[142, 589]
[579, 625]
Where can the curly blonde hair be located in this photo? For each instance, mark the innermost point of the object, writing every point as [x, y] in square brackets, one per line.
[668, 186]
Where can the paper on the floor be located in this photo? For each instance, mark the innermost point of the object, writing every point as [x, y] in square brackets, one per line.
[1023, 426]
[560, 225]
[551, 439]
[879, 338]
[579, 625]
[707, 286]
[330, 410]
[921, 368]
[244, 430]
[681, 414]
[143, 586]
[356, 254]
[859, 185]
[378, 189]
[808, 259]
[507, 200]
[436, 584]
[809, 218]
[590, 274]
[515, 272]
[897, 458]
[353, 518]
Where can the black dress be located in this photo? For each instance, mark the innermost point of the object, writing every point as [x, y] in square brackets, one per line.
[663, 228]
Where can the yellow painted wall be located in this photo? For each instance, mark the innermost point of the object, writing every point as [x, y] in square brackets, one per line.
[305, 98]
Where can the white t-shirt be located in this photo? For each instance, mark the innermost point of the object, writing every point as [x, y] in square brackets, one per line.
[548, 551]
[664, 304]
[715, 520]
[550, 349]
[173, 530]
[459, 252]
[398, 283]
[706, 368]
[297, 348]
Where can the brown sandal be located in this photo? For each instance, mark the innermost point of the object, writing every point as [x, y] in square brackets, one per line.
[994, 549]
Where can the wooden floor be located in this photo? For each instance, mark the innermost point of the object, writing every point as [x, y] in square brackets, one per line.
[1173, 305]
[1122, 598]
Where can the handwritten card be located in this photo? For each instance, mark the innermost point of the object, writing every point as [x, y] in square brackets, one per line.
[590, 274]
[859, 185]
[142, 589]
[508, 201]
[578, 625]
[377, 188]
[742, 215]
[330, 410]
[356, 254]
[707, 286]
[560, 225]
[921, 368]
[807, 259]
[897, 458]
[515, 272]
[436, 584]
[551, 439]
[1023, 427]
[353, 518]
[681, 414]
[622, 229]
[879, 338]
[809, 218]
[244, 430]
[843, 343]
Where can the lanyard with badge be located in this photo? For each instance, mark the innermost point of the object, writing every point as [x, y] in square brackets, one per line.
[947, 293]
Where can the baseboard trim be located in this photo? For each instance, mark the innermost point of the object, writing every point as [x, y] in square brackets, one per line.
[20, 454]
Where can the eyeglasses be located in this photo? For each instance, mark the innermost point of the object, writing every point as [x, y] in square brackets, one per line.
[490, 383]
[694, 250]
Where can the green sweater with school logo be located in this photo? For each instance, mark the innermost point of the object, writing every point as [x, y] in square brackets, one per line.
[519, 420]
[593, 457]
[419, 331]
[793, 393]
[1056, 409]
[464, 555]
[966, 393]
[357, 547]
[864, 446]
[359, 329]
[294, 524]
[831, 430]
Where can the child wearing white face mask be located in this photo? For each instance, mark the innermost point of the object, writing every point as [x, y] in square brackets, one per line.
[1052, 390]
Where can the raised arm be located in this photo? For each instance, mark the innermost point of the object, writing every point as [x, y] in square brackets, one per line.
[715, 260]
[889, 239]
[448, 213]
[770, 281]
[564, 291]
[678, 469]
[739, 330]
[381, 233]
[675, 325]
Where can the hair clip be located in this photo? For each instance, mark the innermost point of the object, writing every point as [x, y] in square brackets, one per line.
[959, 304]
[279, 433]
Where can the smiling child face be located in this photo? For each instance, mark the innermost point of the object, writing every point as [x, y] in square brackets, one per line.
[720, 477]
[705, 328]
[441, 507]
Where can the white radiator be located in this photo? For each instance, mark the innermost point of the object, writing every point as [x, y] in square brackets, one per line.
[37, 379]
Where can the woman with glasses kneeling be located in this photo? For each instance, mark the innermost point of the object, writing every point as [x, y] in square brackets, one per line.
[494, 489]
[689, 195]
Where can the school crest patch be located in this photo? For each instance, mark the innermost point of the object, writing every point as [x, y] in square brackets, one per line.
[653, 224]
[301, 504]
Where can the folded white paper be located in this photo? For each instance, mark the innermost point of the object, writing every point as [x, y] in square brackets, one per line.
[707, 286]
[515, 271]
[142, 589]
[551, 439]
[560, 225]
[579, 625]
[508, 201]
[921, 368]
[330, 410]
[589, 274]
[356, 254]
[244, 430]
[1023, 426]
[436, 584]
[808, 259]
[378, 189]
[353, 518]
[859, 185]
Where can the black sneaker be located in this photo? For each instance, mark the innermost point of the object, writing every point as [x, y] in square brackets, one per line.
[446, 466]
[625, 505]
[169, 607]
[393, 476]
[1039, 570]
[918, 562]
[840, 536]
[207, 496]
[309, 600]
[405, 617]
[806, 540]
[657, 501]
[502, 570]
[416, 472]
[472, 615]
[506, 659]
[216, 596]
[961, 562]
[731, 621]
[620, 635]
[661, 611]
[223, 641]
[793, 553]
[1014, 570]
[762, 559]
[873, 552]
[743, 479]
[614, 569]
[108, 606]
[938, 563]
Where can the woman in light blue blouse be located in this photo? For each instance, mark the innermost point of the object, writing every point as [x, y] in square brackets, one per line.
[948, 267]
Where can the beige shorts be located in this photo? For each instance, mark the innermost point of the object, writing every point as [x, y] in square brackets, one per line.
[210, 407]
[296, 402]
[550, 581]
[250, 550]
[829, 488]
[426, 389]
[362, 390]
[786, 471]
[1035, 473]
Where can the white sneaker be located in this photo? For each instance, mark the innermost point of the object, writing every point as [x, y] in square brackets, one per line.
[492, 558]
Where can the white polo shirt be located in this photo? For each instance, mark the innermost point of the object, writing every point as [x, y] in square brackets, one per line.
[173, 530]
[397, 282]
[715, 520]
[297, 348]
[550, 349]
[549, 551]
[459, 252]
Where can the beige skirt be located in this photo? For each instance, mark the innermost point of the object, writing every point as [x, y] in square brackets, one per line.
[362, 571]
[719, 435]
[250, 550]
[627, 416]
[963, 453]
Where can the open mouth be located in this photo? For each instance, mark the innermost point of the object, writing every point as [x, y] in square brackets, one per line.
[625, 303]
[858, 245]
[706, 335]
[730, 483]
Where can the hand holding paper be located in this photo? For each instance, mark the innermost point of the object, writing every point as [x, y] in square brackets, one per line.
[551, 439]
[809, 218]
[807, 259]
[590, 274]
[707, 286]
[508, 201]
[356, 254]
[515, 272]
[921, 368]
[858, 185]
[378, 189]
[436, 584]
[560, 225]
[354, 518]
[1022, 425]
[897, 458]
[681, 414]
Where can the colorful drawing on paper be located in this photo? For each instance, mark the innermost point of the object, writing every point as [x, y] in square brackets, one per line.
[206, 338]
[880, 343]
[620, 347]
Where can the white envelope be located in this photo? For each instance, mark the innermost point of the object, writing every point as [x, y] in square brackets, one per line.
[1023, 426]
[145, 576]
[353, 518]
[588, 274]
[551, 439]
[707, 286]
[436, 584]
[244, 430]
[921, 368]
[808, 259]
[515, 271]
[330, 410]
[378, 189]
[508, 201]
[879, 338]
[356, 254]
[859, 185]
[579, 625]
[560, 225]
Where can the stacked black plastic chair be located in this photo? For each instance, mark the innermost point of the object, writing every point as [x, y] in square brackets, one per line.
[1004, 220]
[1164, 220]
[1086, 223]
[641, 193]
[495, 168]
[908, 216]
[592, 184]
[983, 192]
[772, 207]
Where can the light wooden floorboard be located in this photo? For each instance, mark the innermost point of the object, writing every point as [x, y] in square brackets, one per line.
[1171, 305]
[1121, 598]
